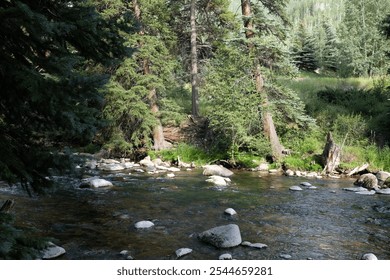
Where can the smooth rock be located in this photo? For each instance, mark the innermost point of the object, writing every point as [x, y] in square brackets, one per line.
[111, 167]
[173, 169]
[218, 170]
[273, 171]
[355, 189]
[182, 252]
[124, 252]
[143, 224]
[225, 257]
[171, 175]
[298, 173]
[382, 176]
[217, 180]
[223, 236]
[146, 162]
[254, 245]
[295, 188]
[312, 174]
[262, 167]
[96, 183]
[305, 184]
[366, 192]
[382, 191]
[369, 256]
[230, 211]
[368, 181]
[52, 251]
[285, 256]
[289, 173]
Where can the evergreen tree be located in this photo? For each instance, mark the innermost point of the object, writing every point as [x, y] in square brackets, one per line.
[363, 51]
[208, 22]
[330, 52]
[132, 105]
[48, 94]
[304, 51]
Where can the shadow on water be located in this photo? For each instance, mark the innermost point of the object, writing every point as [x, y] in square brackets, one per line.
[324, 223]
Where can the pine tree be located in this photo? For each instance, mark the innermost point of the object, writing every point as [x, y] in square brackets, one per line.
[304, 51]
[49, 90]
[132, 105]
[330, 54]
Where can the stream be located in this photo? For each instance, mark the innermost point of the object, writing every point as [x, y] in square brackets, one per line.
[326, 223]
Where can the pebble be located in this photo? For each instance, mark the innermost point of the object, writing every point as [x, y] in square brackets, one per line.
[254, 245]
[369, 256]
[285, 256]
[143, 224]
[225, 257]
[230, 211]
[295, 188]
[182, 252]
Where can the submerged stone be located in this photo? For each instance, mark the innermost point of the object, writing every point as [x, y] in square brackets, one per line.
[52, 251]
[218, 170]
[182, 252]
[295, 188]
[223, 236]
[143, 224]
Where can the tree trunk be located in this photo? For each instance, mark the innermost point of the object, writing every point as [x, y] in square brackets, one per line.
[331, 155]
[268, 123]
[158, 135]
[194, 62]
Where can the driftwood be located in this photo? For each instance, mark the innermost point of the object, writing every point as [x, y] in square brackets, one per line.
[7, 206]
[358, 169]
[331, 155]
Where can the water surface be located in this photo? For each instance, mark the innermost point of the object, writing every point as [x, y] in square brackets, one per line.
[325, 224]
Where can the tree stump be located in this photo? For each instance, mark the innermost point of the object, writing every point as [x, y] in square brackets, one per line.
[331, 155]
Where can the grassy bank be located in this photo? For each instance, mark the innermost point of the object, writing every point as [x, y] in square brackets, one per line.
[354, 109]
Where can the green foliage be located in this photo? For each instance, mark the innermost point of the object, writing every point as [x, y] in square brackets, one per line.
[139, 81]
[362, 49]
[18, 243]
[53, 58]
[304, 50]
[187, 153]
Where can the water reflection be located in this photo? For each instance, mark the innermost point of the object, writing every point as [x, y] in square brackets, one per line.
[325, 223]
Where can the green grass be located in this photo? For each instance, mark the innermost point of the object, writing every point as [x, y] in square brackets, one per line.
[309, 83]
[187, 153]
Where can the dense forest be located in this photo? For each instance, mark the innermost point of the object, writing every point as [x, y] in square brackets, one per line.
[120, 76]
[238, 81]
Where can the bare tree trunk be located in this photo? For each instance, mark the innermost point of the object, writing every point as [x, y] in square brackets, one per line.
[268, 123]
[194, 62]
[158, 135]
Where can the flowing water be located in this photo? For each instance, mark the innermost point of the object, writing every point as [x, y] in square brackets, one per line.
[324, 223]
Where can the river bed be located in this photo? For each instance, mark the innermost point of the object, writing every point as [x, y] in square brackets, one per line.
[326, 223]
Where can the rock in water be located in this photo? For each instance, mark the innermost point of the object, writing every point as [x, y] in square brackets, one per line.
[143, 224]
[369, 256]
[382, 176]
[355, 189]
[383, 191]
[223, 236]
[52, 251]
[217, 180]
[368, 181]
[225, 257]
[295, 188]
[218, 170]
[95, 183]
[230, 211]
[182, 252]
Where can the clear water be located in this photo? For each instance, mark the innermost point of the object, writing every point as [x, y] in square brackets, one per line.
[325, 223]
